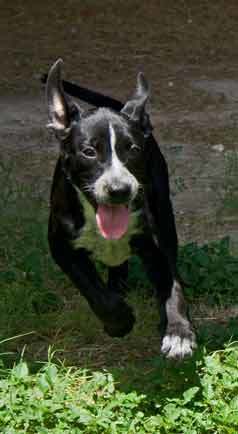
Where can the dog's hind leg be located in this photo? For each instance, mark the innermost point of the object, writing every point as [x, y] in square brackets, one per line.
[111, 309]
[117, 278]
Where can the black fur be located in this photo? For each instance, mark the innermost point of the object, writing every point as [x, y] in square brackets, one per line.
[155, 243]
[91, 97]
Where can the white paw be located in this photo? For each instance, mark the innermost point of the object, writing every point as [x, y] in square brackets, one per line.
[176, 347]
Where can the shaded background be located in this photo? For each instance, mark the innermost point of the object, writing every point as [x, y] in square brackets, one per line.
[104, 44]
[188, 51]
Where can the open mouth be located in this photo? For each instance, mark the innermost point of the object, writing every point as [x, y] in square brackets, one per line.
[112, 220]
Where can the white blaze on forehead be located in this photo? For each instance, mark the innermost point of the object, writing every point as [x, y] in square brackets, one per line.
[116, 172]
[116, 163]
[112, 138]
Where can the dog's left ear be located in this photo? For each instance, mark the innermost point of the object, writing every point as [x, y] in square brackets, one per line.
[135, 108]
[61, 109]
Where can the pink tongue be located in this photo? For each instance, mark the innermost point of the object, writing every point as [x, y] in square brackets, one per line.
[112, 220]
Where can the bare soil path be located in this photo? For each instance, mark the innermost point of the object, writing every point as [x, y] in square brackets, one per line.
[188, 50]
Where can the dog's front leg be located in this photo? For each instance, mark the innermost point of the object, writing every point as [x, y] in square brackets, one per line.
[117, 278]
[177, 335]
[109, 306]
[178, 339]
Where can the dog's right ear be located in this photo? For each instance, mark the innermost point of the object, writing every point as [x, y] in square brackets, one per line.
[135, 108]
[62, 110]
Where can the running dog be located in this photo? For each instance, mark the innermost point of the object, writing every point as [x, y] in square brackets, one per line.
[110, 200]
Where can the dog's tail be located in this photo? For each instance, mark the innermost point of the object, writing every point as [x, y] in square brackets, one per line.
[90, 96]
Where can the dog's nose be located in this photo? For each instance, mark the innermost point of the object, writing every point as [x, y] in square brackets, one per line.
[119, 194]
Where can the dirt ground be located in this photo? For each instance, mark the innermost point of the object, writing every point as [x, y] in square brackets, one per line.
[188, 51]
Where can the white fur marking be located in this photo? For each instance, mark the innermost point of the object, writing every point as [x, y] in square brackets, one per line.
[176, 347]
[115, 172]
[112, 137]
[116, 163]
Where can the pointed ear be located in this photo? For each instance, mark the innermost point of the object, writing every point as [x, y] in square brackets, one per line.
[135, 107]
[61, 109]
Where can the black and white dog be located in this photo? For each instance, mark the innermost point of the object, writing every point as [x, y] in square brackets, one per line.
[110, 199]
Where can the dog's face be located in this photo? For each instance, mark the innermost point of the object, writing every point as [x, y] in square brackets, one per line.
[103, 152]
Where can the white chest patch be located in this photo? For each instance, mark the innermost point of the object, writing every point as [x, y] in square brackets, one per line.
[109, 252]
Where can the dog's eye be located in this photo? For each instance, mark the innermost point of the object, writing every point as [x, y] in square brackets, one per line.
[135, 149]
[89, 152]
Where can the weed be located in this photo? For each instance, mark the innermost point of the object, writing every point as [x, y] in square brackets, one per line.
[210, 272]
[227, 186]
[60, 400]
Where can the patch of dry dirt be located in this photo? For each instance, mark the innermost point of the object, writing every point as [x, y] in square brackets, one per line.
[188, 50]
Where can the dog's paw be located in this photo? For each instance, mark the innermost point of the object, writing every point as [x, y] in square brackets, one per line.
[177, 347]
[122, 323]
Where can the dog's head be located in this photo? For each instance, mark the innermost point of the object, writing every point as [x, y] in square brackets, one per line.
[102, 152]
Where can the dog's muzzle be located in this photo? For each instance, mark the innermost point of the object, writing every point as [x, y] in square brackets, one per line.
[114, 197]
[121, 194]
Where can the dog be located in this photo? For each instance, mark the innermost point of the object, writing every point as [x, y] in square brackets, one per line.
[110, 199]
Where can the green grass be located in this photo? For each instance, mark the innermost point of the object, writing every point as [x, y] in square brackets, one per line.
[127, 387]
[60, 400]
[210, 271]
